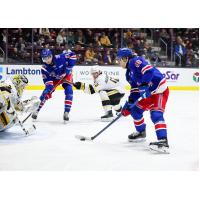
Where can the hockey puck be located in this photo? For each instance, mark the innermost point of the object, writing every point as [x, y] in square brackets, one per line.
[82, 139]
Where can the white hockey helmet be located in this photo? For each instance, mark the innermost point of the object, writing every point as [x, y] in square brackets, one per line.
[95, 69]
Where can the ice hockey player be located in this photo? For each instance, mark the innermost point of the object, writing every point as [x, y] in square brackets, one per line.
[109, 89]
[146, 82]
[57, 70]
[11, 105]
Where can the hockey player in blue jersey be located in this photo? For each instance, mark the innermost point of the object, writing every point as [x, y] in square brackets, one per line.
[146, 82]
[57, 70]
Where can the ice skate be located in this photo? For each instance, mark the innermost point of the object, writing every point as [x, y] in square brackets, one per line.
[160, 146]
[107, 117]
[137, 136]
[118, 111]
[66, 117]
[35, 115]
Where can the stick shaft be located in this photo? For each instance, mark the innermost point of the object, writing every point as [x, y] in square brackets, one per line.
[118, 117]
[54, 88]
[27, 117]
[113, 121]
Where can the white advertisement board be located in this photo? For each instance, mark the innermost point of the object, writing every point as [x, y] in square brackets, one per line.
[174, 76]
[177, 77]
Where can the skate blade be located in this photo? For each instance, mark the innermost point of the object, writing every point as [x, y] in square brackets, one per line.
[31, 130]
[107, 119]
[66, 121]
[137, 140]
[163, 150]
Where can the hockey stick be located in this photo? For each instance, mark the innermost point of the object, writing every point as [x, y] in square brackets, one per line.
[61, 81]
[24, 120]
[21, 123]
[54, 88]
[83, 138]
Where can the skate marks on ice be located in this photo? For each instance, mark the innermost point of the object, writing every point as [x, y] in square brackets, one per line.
[15, 135]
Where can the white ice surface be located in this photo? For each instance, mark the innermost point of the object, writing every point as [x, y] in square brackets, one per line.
[54, 147]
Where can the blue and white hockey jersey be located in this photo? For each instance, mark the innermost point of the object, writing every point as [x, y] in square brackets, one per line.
[62, 65]
[140, 72]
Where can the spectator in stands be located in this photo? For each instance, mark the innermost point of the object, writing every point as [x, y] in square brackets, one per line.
[80, 38]
[61, 38]
[180, 52]
[104, 40]
[70, 39]
[41, 41]
[97, 43]
[116, 40]
[19, 48]
[107, 58]
[125, 40]
[44, 32]
[3, 39]
[66, 48]
[77, 39]
[57, 49]
[164, 34]
[27, 35]
[89, 37]
[35, 36]
[129, 33]
[90, 55]
[100, 58]
[53, 34]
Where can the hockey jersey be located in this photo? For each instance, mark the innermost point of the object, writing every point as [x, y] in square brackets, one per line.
[62, 65]
[139, 72]
[105, 82]
[9, 102]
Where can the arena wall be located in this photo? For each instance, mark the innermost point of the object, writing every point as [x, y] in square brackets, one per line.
[177, 78]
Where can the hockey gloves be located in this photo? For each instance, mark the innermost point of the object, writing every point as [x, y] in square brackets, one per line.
[126, 110]
[47, 93]
[144, 91]
[79, 85]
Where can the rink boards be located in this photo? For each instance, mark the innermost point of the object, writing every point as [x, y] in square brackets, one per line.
[177, 78]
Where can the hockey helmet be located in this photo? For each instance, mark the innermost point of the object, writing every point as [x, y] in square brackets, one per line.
[46, 54]
[95, 69]
[124, 53]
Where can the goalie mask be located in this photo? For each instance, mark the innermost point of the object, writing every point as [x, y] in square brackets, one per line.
[20, 82]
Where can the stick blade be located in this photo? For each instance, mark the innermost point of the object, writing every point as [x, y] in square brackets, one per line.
[82, 138]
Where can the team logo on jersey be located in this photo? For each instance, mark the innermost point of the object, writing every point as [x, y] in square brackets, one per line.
[1, 72]
[196, 77]
[53, 74]
[138, 63]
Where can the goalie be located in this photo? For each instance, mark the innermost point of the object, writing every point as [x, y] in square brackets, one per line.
[109, 89]
[11, 105]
